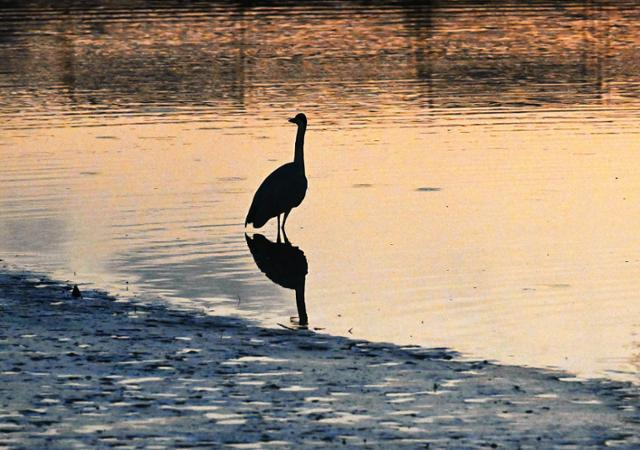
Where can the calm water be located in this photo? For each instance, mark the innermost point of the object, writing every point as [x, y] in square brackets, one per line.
[473, 170]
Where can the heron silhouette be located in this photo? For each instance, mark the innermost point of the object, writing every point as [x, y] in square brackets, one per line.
[284, 188]
[283, 264]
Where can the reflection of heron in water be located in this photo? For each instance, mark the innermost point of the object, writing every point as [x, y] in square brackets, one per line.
[283, 264]
[284, 188]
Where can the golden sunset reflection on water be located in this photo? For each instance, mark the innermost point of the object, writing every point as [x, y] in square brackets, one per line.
[473, 176]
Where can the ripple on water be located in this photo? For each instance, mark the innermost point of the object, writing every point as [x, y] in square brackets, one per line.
[530, 152]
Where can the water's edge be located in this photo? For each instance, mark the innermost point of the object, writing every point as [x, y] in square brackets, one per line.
[93, 371]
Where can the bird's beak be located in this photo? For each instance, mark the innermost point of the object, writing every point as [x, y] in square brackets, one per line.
[292, 120]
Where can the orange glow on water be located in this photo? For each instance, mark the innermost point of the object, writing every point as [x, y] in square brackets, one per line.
[473, 176]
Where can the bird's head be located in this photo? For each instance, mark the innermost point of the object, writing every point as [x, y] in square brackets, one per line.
[300, 119]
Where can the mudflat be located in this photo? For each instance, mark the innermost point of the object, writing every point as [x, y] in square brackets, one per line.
[98, 372]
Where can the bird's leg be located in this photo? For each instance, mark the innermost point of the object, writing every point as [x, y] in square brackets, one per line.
[278, 239]
[286, 214]
[284, 232]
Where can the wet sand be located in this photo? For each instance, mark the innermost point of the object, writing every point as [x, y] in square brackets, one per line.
[97, 372]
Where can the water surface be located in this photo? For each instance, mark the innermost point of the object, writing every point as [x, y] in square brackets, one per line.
[473, 170]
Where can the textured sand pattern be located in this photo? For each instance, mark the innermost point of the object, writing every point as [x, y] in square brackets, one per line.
[95, 372]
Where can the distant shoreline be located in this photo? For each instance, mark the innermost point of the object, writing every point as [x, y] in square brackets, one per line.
[95, 372]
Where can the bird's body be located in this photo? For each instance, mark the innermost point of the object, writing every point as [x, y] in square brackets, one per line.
[284, 189]
[279, 193]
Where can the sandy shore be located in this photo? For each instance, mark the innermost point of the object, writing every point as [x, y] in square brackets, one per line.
[95, 372]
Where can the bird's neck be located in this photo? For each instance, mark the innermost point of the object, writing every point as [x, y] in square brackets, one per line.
[298, 158]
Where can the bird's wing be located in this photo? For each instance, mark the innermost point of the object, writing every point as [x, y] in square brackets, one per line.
[264, 204]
